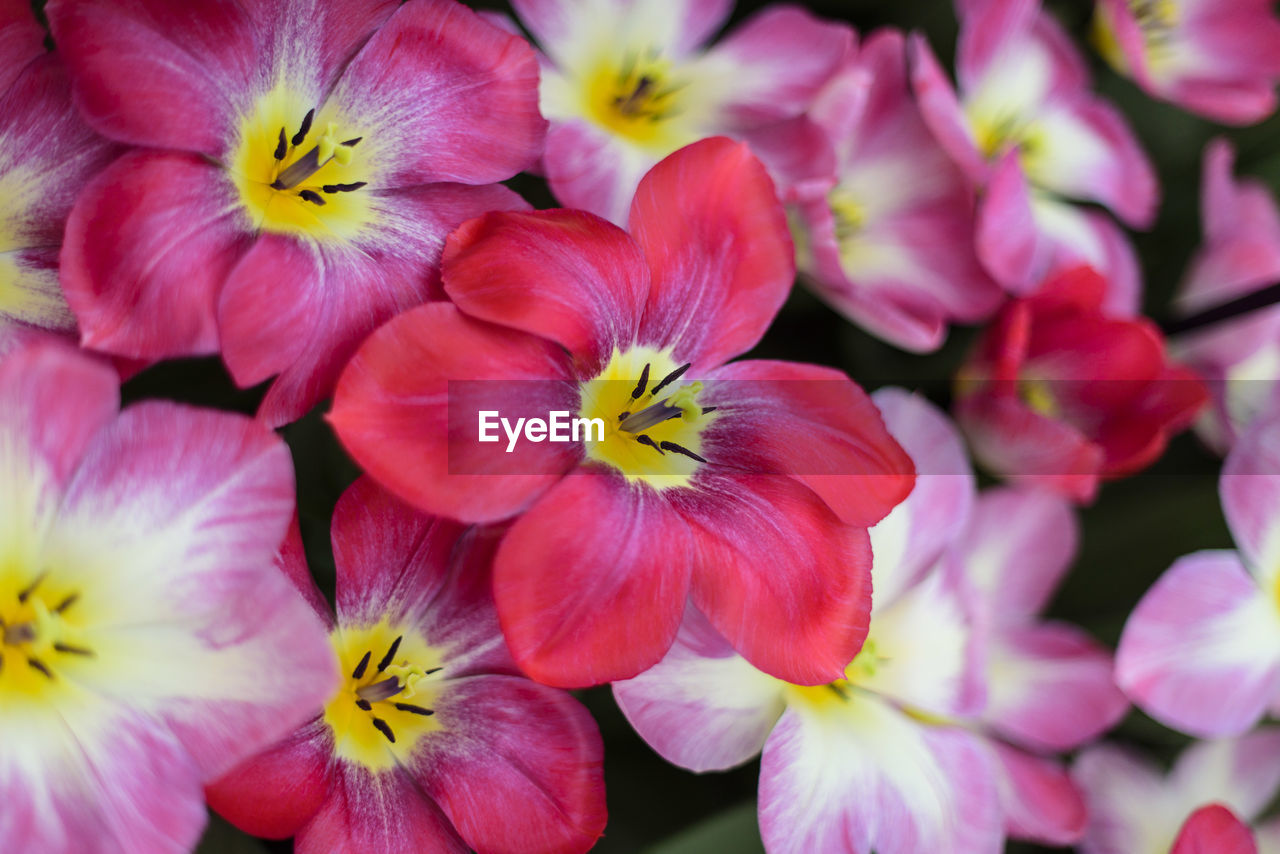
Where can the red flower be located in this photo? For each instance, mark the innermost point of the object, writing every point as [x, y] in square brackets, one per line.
[748, 486]
[1062, 395]
[434, 742]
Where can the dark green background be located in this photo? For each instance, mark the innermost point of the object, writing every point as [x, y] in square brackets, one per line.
[1134, 531]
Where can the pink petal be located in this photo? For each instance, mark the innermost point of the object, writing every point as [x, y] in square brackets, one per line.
[594, 170]
[1050, 687]
[515, 767]
[275, 793]
[684, 25]
[384, 812]
[149, 244]
[941, 111]
[591, 580]
[397, 413]
[848, 457]
[1017, 549]
[21, 39]
[563, 275]
[865, 777]
[716, 239]
[802, 621]
[450, 97]
[1041, 802]
[1006, 231]
[1130, 806]
[908, 541]
[703, 707]
[1201, 652]
[1250, 491]
[1214, 830]
[987, 29]
[1241, 773]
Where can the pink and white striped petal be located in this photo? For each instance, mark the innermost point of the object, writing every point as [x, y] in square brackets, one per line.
[1041, 802]
[1130, 807]
[1250, 491]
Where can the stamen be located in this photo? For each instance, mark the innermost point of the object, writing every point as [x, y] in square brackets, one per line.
[306, 127]
[645, 440]
[670, 378]
[382, 727]
[360, 668]
[710, 409]
[379, 691]
[37, 664]
[312, 196]
[640, 386]
[67, 603]
[417, 710]
[432, 670]
[282, 147]
[650, 416]
[391, 654]
[839, 692]
[680, 449]
[344, 188]
[352, 143]
[26, 592]
[364, 704]
[72, 650]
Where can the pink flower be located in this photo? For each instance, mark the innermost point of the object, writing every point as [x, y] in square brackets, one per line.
[703, 473]
[299, 165]
[1201, 652]
[1240, 359]
[434, 741]
[881, 759]
[1028, 131]
[1049, 684]
[1218, 58]
[887, 237]
[147, 643]
[627, 82]
[1134, 807]
[47, 154]
[1062, 395]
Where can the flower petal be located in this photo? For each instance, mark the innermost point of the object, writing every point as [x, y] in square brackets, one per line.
[1242, 773]
[802, 621]
[861, 776]
[1007, 237]
[448, 97]
[941, 111]
[716, 239]
[563, 275]
[594, 170]
[591, 580]
[1250, 490]
[21, 39]
[1129, 804]
[676, 27]
[1201, 652]
[516, 766]
[149, 244]
[703, 707]
[1214, 830]
[392, 412]
[1041, 802]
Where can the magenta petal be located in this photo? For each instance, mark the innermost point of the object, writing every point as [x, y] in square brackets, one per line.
[21, 39]
[1214, 830]
[593, 170]
[715, 236]
[149, 244]
[450, 96]
[1007, 236]
[941, 111]
[1041, 802]
[1250, 491]
[680, 26]
[1201, 652]
[516, 766]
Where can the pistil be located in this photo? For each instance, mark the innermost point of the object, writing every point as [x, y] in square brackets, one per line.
[399, 683]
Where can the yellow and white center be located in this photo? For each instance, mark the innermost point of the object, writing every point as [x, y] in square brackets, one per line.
[1158, 20]
[639, 97]
[40, 635]
[300, 170]
[385, 704]
[653, 421]
[862, 670]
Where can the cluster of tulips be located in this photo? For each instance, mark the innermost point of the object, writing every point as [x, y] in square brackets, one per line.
[759, 556]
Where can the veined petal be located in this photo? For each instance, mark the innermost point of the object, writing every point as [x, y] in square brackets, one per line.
[591, 580]
[1050, 687]
[448, 96]
[1202, 649]
[516, 766]
[703, 707]
[392, 411]
[566, 29]
[1040, 801]
[21, 39]
[566, 276]
[593, 170]
[1241, 773]
[148, 246]
[1214, 830]
[860, 776]
[802, 620]
[1250, 491]
[715, 236]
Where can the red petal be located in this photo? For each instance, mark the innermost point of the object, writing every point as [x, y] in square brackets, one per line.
[1214, 830]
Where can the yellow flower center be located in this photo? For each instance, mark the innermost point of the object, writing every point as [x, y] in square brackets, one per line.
[868, 662]
[1036, 394]
[385, 703]
[38, 635]
[637, 99]
[300, 171]
[1157, 18]
[653, 421]
[850, 215]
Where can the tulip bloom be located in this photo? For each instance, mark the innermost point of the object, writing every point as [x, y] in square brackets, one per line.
[47, 154]
[875, 760]
[1217, 58]
[147, 643]
[1134, 806]
[434, 741]
[705, 473]
[299, 165]
[1028, 131]
[1060, 394]
[887, 237]
[627, 82]
[1240, 358]
[1201, 652]
[1049, 685]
